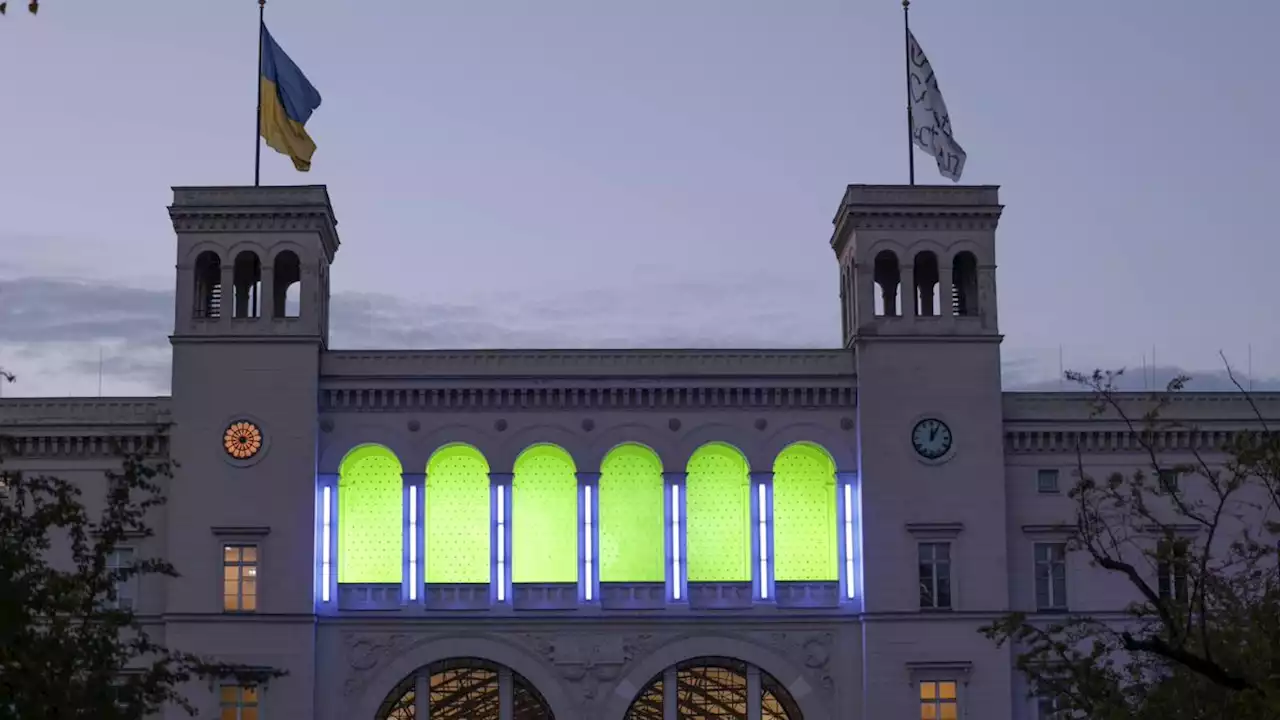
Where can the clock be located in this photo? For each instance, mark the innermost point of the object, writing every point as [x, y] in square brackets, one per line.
[242, 440]
[931, 438]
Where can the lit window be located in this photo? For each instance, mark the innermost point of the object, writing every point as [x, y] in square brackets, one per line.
[1051, 576]
[938, 700]
[1171, 570]
[1047, 481]
[935, 575]
[240, 578]
[119, 559]
[238, 702]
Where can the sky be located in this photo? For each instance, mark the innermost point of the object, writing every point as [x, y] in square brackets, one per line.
[569, 173]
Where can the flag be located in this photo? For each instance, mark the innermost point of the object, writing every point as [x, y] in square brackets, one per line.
[930, 122]
[287, 100]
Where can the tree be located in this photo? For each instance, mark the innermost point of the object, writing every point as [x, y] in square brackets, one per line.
[68, 650]
[1196, 542]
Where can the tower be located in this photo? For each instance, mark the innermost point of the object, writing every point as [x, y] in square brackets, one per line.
[917, 269]
[250, 326]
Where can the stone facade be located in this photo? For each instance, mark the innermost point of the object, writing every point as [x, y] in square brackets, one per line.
[853, 646]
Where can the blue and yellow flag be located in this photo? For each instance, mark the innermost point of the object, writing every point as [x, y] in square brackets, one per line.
[287, 99]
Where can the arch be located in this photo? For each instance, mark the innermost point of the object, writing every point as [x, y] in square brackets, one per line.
[718, 515]
[805, 540]
[544, 516]
[716, 687]
[370, 516]
[839, 444]
[336, 445]
[742, 439]
[430, 439]
[632, 516]
[887, 276]
[924, 273]
[247, 283]
[516, 442]
[465, 689]
[208, 285]
[964, 284]
[604, 440]
[811, 705]
[407, 661]
[457, 516]
[286, 285]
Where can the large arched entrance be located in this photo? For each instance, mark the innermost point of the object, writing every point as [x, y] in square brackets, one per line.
[464, 689]
[713, 688]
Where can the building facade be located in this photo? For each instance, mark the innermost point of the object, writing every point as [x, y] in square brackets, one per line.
[603, 535]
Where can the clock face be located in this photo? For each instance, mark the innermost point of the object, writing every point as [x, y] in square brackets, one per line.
[931, 438]
[242, 440]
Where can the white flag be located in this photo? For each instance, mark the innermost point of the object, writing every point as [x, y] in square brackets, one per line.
[930, 123]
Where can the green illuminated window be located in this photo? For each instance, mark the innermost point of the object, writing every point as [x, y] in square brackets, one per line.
[370, 517]
[718, 515]
[544, 517]
[804, 515]
[631, 516]
[457, 516]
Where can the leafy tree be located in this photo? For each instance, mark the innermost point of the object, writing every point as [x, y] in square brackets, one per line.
[1196, 542]
[68, 651]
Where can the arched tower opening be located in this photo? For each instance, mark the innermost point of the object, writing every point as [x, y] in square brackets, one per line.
[286, 285]
[964, 284]
[208, 286]
[247, 283]
[888, 281]
[925, 273]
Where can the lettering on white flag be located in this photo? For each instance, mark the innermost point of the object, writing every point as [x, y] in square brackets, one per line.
[930, 122]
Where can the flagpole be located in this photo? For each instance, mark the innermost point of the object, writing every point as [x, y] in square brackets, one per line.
[906, 31]
[257, 138]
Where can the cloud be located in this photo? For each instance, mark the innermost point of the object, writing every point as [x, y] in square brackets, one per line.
[61, 334]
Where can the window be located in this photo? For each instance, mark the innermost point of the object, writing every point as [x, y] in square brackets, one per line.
[239, 578]
[1047, 481]
[1171, 570]
[118, 559]
[935, 575]
[1168, 480]
[938, 700]
[1051, 576]
[1048, 708]
[238, 702]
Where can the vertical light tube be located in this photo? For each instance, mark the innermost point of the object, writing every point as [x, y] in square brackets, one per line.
[762, 523]
[675, 541]
[413, 542]
[586, 541]
[326, 530]
[502, 543]
[848, 540]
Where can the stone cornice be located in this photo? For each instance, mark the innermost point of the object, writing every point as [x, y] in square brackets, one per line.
[915, 207]
[301, 208]
[84, 412]
[1182, 407]
[515, 364]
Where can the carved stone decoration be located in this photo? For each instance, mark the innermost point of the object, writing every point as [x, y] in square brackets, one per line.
[365, 652]
[810, 650]
[588, 661]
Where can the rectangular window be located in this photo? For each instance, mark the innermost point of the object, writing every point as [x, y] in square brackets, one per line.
[122, 557]
[1051, 576]
[1047, 481]
[1168, 480]
[238, 702]
[1171, 570]
[240, 578]
[935, 575]
[938, 700]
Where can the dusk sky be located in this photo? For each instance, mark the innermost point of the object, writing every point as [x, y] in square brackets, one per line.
[569, 173]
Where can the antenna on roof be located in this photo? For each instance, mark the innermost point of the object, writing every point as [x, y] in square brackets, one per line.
[99, 371]
[1250, 366]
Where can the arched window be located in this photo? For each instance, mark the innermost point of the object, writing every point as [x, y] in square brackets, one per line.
[464, 689]
[457, 516]
[925, 272]
[718, 515]
[247, 281]
[632, 514]
[888, 280]
[208, 286]
[370, 517]
[713, 688]
[805, 540]
[286, 285]
[964, 284]
[544, 517]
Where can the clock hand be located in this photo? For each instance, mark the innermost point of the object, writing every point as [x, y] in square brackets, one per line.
[933, 432]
